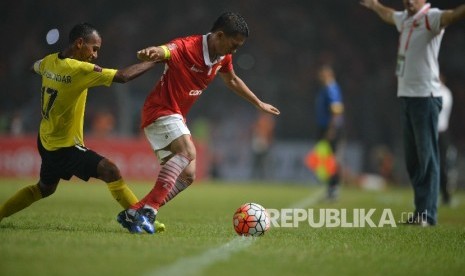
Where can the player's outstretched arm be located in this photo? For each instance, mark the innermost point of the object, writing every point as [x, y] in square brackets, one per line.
[452, 16]
[385, 13]
[154, 53]
[234, 83]
[132, 71]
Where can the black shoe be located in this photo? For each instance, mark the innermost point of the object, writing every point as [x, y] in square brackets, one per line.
[152, 225]
[130, 222]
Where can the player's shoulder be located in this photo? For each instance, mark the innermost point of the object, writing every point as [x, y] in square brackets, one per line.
[79, 65]
[58, 60]
[50, 57]
[400, 15]
[434, 12]
[186, 43]
[194, 37]
[187, 40]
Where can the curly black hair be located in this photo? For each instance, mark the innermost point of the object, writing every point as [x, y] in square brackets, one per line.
[231, 24]
[83, 30]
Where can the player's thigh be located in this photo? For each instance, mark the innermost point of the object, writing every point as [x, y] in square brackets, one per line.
[83, 163]
[51, 169]
[50, 175]
[169, 135]
[107, 171]
[162, 132]
[184, 145]
[65, 162]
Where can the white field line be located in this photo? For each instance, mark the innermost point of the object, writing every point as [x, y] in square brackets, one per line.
[195, 265]
[310, 200]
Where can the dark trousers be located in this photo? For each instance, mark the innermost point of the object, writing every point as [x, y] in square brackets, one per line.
[334, 181]
[419, 118]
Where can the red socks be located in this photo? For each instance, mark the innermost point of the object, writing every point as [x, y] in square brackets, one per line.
[165, 182]
[179, 186]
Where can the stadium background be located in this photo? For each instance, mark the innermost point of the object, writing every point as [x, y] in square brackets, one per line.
[288, 40]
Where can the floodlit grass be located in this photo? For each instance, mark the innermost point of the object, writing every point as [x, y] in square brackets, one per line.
[74, 232]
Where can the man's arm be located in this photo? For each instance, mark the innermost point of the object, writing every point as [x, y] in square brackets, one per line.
[234, 83]
[337, 110]
[451, 16]
[385, 13]
[154, 53]
[132, 71]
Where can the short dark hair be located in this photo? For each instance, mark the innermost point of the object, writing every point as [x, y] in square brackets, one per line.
[84, 30]
[231, 24]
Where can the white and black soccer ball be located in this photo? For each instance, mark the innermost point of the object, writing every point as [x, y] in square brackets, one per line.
[251, 219]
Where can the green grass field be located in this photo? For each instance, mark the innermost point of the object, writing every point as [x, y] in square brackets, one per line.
[74, 232]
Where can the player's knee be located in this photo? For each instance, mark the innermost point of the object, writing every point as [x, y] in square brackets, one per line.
[191, 155]
[108, 171]
[189, 175]
[185, 147]
[190, 178]
[47, 189]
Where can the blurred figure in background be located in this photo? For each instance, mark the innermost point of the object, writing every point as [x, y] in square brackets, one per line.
[421, 31]
[16, 125]
[262, 140]
[329, 115]
[103, 124]
[444, 141]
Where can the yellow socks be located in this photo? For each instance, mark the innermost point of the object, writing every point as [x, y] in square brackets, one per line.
[30, 194]
[22, 199]
[122, 193]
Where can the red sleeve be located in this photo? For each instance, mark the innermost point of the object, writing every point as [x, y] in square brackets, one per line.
[174, 46]
[227, 65]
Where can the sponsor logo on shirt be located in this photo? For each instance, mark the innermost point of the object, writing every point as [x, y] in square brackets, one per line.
[195, 92]
[195, 69]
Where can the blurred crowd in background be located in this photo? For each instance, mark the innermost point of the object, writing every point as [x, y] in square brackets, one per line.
[288, 41]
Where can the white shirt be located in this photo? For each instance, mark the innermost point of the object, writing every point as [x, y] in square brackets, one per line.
[420, 46]
[447, 100]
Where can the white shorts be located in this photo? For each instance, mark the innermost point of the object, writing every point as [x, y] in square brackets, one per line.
[164, 131]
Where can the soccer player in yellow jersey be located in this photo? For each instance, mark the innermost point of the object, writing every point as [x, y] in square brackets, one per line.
[66, 76]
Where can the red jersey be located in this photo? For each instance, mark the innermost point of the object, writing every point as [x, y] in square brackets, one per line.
[187, 74]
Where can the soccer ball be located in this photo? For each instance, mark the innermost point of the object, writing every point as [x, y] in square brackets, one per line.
[251, 219]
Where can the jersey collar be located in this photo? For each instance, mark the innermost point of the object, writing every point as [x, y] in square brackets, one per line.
[206, 53]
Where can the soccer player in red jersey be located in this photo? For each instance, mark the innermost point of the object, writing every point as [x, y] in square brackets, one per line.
[191, 63]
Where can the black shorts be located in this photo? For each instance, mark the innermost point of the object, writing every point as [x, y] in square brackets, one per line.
[66, 162]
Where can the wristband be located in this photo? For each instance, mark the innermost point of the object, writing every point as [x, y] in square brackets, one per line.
[166, 51]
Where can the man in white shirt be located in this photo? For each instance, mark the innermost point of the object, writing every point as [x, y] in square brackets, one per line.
[421, 30]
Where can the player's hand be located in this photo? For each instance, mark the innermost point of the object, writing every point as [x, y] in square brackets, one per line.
[269, 108]
[148, 54]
